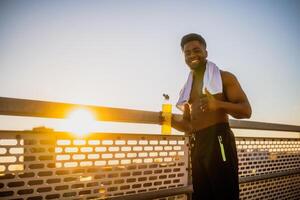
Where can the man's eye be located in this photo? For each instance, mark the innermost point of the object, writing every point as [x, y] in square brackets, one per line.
[197, 50]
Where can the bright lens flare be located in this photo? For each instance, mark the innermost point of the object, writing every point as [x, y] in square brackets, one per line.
[81, 122]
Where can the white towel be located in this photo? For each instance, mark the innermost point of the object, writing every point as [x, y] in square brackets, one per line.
[212, 81]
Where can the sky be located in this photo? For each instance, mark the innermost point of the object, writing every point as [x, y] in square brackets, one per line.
[126, 54]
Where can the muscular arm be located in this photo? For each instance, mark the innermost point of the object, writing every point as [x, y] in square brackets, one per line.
[237, 104]
[182, 123]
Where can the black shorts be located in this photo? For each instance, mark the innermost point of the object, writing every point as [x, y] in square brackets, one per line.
[214, 163]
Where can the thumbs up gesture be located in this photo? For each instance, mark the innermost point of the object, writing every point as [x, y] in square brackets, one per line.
[209, 103]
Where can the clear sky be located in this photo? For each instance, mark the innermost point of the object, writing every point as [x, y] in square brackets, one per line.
[127, 53]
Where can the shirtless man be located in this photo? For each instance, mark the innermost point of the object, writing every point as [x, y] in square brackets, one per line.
[205, 119]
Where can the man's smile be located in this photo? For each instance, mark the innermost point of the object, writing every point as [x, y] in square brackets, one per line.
[195, 61]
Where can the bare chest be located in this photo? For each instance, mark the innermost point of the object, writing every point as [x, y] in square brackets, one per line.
[198, 117]
[196, 92]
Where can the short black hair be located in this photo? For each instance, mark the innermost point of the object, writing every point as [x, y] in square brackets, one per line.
[192, 37]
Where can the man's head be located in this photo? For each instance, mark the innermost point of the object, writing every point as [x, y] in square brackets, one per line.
[194, 49]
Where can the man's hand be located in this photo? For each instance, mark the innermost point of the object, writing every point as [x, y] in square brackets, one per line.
[162, 118]
[209, 103]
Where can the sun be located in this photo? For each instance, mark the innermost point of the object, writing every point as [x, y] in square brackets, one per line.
[80, 122]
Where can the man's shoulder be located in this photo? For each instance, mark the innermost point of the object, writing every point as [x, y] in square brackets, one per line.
[227, 77]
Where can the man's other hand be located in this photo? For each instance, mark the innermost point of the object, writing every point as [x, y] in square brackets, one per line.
[209, 103]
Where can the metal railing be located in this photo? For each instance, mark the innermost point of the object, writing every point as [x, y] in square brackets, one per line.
[266, 165]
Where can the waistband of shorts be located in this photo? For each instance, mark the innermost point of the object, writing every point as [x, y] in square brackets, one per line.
[212, 128]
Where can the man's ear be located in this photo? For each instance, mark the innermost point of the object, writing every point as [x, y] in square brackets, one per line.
[206, 53]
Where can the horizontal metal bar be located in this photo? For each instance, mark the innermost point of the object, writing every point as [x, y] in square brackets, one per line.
[156, 194]
[34, 108]
[98, 135]
[244, 124]
[268, 176]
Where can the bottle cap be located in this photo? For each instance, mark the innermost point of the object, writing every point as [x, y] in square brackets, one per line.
[166, 96]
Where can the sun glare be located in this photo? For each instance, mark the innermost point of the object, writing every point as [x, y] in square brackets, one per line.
[81, 122]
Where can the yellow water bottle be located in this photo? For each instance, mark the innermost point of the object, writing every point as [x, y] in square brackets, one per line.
[167, 115]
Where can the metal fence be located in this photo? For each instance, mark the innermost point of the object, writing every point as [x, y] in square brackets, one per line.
[269, 168]
[52, 165]
[45, 164]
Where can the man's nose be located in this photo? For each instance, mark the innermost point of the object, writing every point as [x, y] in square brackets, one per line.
[193, 54]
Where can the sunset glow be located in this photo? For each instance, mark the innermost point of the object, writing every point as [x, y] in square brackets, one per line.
[80, 122]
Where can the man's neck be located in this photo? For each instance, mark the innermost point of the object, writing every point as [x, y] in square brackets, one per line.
[199, 71]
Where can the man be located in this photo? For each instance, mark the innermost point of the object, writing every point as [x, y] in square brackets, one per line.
[208, 97]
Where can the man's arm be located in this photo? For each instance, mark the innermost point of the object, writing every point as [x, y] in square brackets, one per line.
[237, 105]
[182, 123]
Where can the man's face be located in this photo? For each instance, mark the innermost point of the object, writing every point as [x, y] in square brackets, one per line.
[195, 54]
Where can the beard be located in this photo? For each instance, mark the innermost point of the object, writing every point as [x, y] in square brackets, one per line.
[197, 65]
